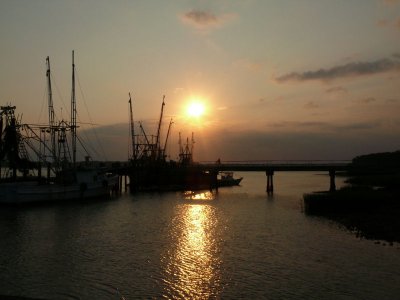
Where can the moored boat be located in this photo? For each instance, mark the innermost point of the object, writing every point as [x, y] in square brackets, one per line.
[149, 169]
[29, 191]
[54, 146]
[227, 179]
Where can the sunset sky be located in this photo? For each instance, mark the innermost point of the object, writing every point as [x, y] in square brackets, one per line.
[287, 79]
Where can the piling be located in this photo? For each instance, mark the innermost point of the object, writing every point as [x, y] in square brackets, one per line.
[270, 181]
[120, 184]
[332, 186]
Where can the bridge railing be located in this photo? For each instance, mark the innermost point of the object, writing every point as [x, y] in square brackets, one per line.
[279, 162]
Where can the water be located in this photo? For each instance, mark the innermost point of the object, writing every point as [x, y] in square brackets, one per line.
[237, 244]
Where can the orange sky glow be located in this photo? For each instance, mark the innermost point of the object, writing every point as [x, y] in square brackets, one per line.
[277, 79]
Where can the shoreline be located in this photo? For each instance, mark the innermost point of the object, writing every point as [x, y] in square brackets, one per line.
[368, 212]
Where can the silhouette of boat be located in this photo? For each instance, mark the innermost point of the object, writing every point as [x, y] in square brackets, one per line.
[149, 169]
[54, 145]
[227, 179]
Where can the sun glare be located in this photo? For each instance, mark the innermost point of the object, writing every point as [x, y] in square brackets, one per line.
[195, 109]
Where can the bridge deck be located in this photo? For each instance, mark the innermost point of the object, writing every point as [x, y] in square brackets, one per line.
[279, 166]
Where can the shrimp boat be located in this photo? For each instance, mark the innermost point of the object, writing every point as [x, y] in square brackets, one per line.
[54, 146]
[150, 170]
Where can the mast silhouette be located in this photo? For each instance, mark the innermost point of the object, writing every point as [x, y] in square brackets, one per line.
[132, 128]
[73, 114]
[51, 113]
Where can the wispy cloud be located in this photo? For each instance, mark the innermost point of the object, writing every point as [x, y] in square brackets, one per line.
[311, 105]
[354, 69]
[247, 64]
[310, 126]
[204, 20]
[282, 140]
[389, 23]
[391, 2]
[336, 90]
[367, 100]
[383, 23]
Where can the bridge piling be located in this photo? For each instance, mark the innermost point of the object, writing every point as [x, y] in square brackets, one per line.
[332, 175]
[270, 181]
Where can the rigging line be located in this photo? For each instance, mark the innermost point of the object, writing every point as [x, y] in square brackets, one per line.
[43, 103]
[82, 145]
[90, 144]
[90, 118]
[59, 95]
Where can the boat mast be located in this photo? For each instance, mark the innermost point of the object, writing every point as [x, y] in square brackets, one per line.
[51, 112]
[159, 129]
[144, 134]
[180, 145]
[166, 139]
[192, 148]
[73, 114]
[132, 129]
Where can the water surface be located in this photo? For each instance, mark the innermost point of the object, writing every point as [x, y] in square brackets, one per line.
[239, 243]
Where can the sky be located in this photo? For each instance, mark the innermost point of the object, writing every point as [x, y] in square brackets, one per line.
[280, 80]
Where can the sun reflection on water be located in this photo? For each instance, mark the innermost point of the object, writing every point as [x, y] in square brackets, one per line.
[190, 195]
[192, 264]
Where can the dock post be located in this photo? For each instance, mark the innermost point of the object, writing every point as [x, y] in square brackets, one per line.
[214, 180]
[39, 172]
[270, 181]
[48, 172]
[332, 174]
[120, 184]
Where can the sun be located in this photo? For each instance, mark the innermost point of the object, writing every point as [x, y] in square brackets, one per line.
[195, 109]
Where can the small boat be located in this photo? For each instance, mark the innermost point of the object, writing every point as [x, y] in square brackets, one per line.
[226, 179]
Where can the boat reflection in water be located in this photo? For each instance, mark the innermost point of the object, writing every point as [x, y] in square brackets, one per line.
[192, 265]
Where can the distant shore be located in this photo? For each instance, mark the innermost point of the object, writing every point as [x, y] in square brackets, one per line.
[371, 214]
[369, 205]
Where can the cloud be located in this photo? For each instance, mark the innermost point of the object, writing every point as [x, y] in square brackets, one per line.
[354, 69]
[385, 23]
[300, 144]
[178, 90]
[248, 65]
[311, 105]
[281, 140]
[336, 90]
[323, 127]
[391, 2]
[392, 100]
[368, 100]
[201, 18]
[205, 20]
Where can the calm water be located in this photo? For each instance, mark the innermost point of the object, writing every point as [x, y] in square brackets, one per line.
[237, 244]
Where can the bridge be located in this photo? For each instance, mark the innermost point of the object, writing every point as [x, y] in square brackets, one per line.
[271, 166]
[267, 166]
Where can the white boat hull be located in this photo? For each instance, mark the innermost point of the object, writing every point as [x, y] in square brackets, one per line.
[29, 192]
